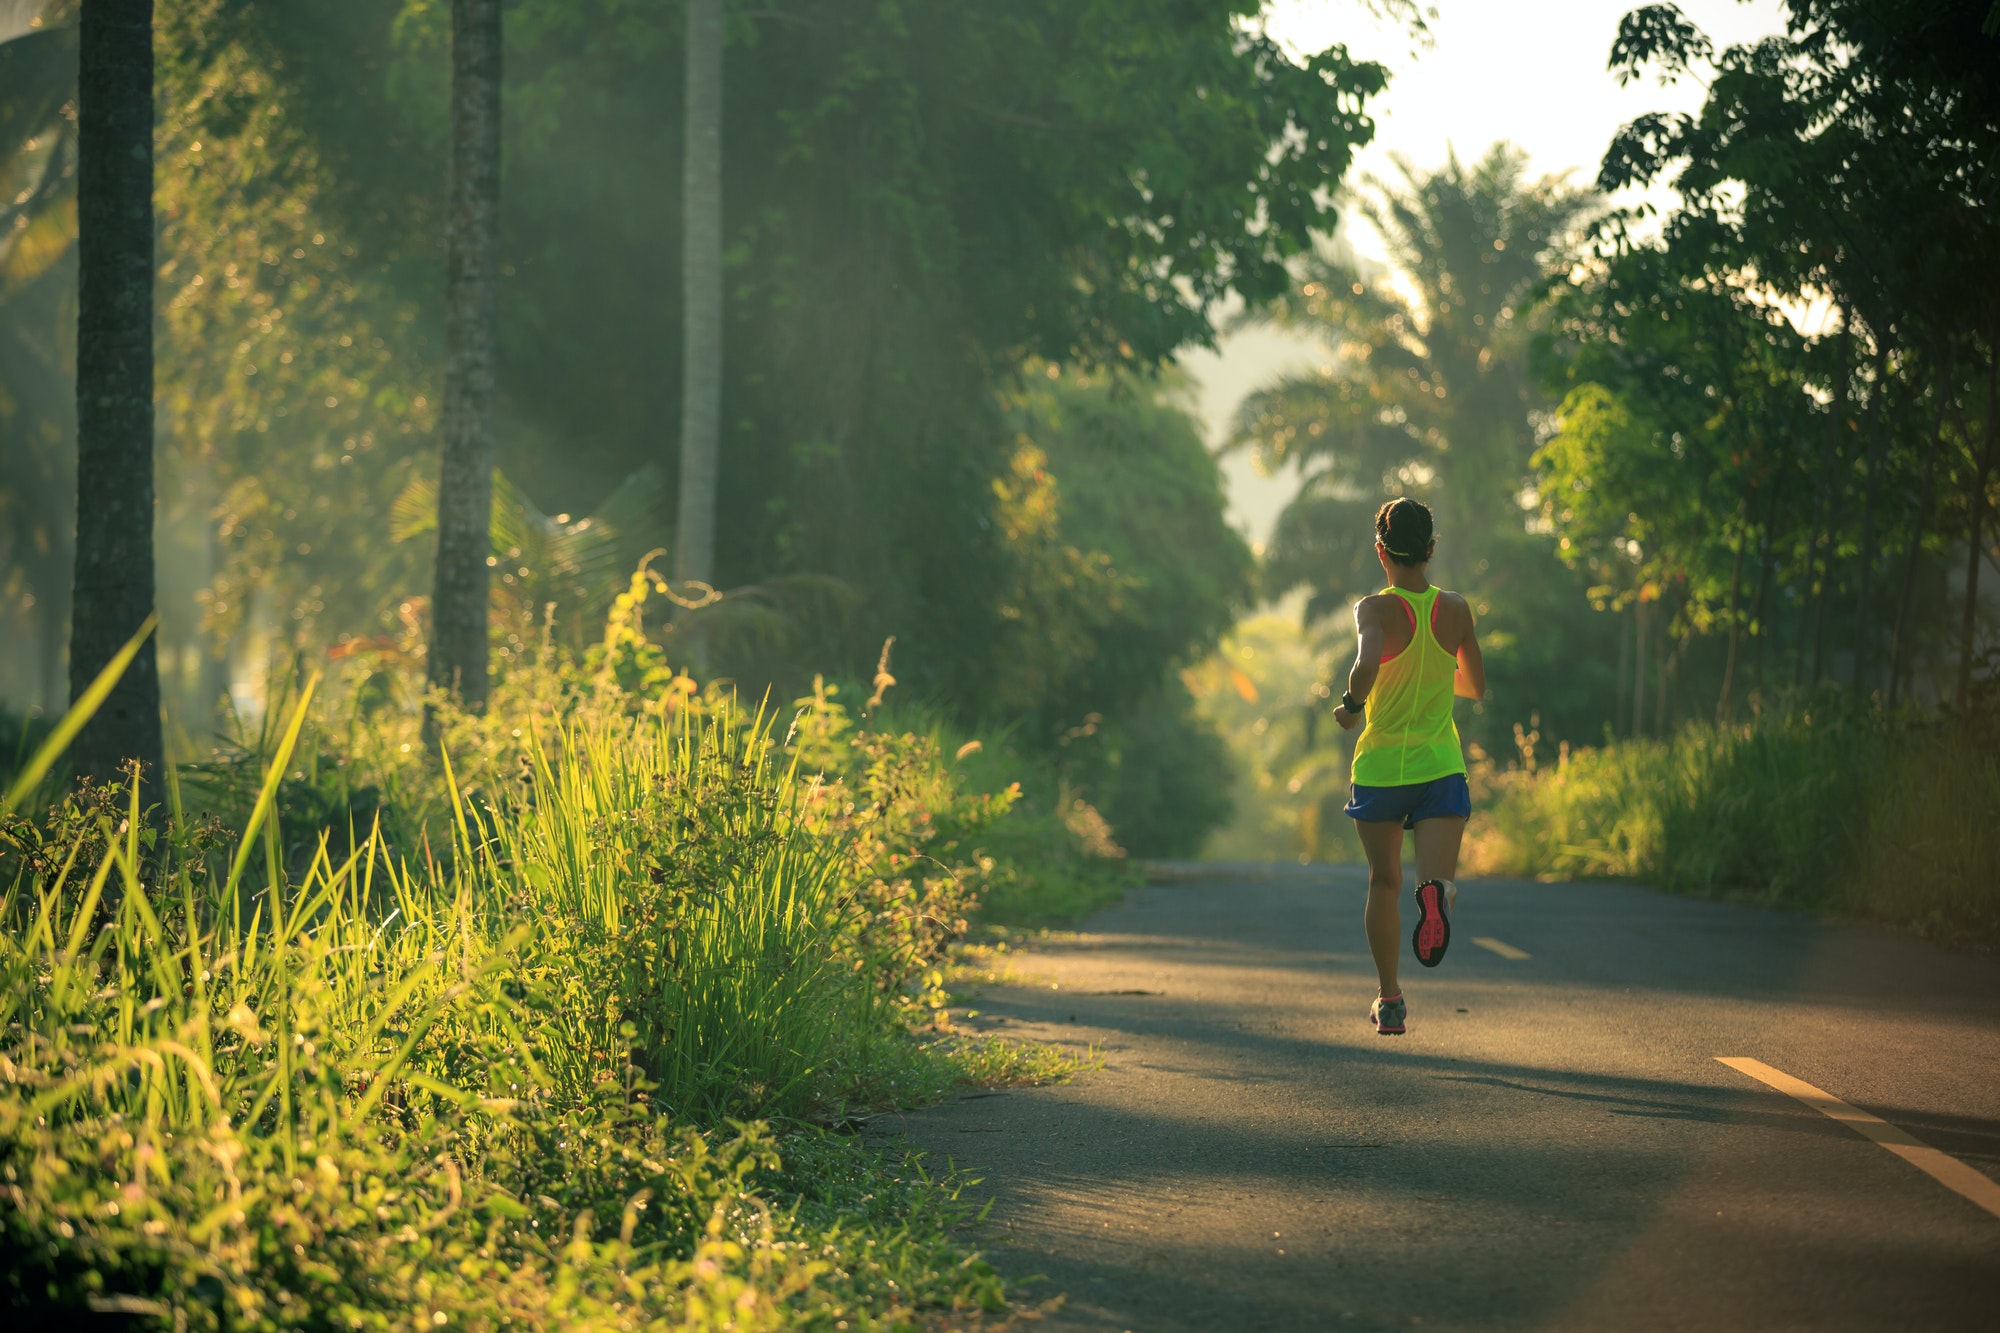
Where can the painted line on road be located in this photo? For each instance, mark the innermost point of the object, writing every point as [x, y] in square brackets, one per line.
[1940, 1166]
[1501, 947]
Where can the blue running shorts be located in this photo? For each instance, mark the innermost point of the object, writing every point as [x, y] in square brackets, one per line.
[1441, 798]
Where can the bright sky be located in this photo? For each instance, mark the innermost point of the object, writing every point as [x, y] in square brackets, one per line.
[1533, 74]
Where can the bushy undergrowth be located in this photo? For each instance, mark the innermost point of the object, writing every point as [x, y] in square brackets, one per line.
[389, 1045]
[1838, 811]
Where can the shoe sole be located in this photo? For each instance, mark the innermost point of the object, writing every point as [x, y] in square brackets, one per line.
[1433, 933]
[1382, 1031]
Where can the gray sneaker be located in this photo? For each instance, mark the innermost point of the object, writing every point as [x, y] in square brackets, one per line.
[1387, 1014]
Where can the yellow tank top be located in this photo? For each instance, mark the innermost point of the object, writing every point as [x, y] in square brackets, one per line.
[1408, 735]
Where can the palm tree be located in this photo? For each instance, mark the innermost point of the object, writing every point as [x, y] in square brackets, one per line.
[458, 644]
[113, 590]
[1428, 393]
[701, 283]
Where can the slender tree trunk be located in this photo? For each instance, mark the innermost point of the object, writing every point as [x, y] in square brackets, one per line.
[1670, 661]
[1735, 607]
[1639, 669]
[1899, 651]
[1618, 713]
[701, 287]
[1811, 602]
[1759, 604]
[113, 592]
[459, 615]
[1831, 525]
[1970, 624]
[1864, 609]
[1819, 570]
[53, 620]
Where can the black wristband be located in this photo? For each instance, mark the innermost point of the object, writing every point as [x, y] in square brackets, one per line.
[1349, 702]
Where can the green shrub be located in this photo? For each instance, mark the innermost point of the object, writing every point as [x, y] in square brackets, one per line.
[1026, 849]
[1175, 781]
[1839, 811]
[498, 1075]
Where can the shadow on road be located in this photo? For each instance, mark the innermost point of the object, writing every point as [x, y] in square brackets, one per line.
[1547, 1149]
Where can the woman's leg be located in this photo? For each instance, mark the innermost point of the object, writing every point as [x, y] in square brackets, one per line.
[1384, 844]
[1437, 849]
[1437, 862]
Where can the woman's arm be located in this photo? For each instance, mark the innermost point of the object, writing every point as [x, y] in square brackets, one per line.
[1367, 661]
[1470, 680]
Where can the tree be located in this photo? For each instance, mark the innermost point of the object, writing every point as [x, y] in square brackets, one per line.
[916, 201]
[1674, 474]
[701, 295]
[1852, 160]
[459, 605]
[1431, 395]
[1428, 397]
[37, 306]
[114, 385]
[1123, 570]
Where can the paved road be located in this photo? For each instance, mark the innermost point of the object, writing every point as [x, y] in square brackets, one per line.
[1553, 1146]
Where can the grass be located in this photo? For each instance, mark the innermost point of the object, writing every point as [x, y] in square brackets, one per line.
[1837, 811]
[555, 1039]
[1053, 859]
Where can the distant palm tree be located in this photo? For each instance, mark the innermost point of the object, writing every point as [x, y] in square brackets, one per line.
[459, 638]
[113, 590]
[1427, 392]
[701, 298]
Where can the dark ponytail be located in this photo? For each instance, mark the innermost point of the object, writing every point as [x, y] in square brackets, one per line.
[1403, 526]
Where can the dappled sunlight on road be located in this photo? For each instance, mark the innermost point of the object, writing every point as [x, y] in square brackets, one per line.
[1553, 1143]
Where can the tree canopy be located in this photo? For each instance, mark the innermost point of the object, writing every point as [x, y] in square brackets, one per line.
[1763, 468]
[917, 203]
[1427, 391]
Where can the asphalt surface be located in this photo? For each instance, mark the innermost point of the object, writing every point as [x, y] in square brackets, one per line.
[1552, 1146]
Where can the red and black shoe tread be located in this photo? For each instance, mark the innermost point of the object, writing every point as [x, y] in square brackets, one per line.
[1433, 933]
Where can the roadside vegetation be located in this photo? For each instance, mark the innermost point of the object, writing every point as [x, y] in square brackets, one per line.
[546, 997]
[1720, 481]
[1792, 513]
[1264, 690]
[561, 1027]
[1831, 809]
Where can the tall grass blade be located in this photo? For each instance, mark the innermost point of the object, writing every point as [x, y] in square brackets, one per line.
[268, 797]
[73, 721]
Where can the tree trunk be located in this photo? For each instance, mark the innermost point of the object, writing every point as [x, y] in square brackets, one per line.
[52, 623]
[1812, 616]
[1760, 603]
[1831, 525]
[1722, 708]
[1970, 624]
[113, 591]
[1899, 650]
[1669, 664]
[1618, 713]
[459, 615]
[1810, 602]
[701, 294]
[1639, 669]
[1864, 610]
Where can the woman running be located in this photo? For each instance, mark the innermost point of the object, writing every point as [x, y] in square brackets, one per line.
[1417, 652]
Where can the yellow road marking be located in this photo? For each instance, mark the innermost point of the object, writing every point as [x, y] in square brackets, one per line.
[1940, 1166]
[1501, 947]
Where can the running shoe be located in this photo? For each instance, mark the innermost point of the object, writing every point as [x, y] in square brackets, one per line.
[1433, 934]
[1387, 1014]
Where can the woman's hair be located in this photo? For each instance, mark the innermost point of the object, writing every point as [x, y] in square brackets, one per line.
[1404, 528]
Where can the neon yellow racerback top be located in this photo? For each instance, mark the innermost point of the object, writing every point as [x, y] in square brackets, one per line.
[1408, 735]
